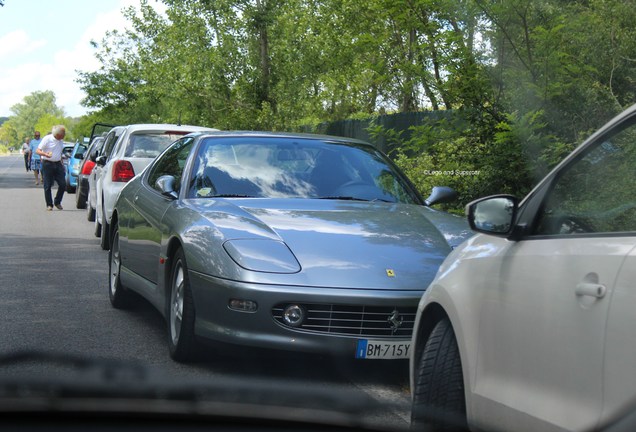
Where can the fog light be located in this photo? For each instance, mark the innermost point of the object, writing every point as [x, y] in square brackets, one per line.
[243, 305]
[294, 315]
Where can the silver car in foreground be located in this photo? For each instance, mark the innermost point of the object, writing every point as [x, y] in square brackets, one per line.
[530, 324]
[294, 242]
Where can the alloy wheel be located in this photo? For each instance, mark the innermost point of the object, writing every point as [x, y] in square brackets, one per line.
[176, 303]
[115, 262]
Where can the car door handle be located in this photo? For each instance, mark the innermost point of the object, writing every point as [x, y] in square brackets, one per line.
[590, 289]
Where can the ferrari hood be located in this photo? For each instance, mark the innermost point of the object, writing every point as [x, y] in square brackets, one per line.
[339, 244]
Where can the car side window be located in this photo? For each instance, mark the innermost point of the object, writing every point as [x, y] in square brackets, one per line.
[110, 141]
[171, 162]
[596, 193]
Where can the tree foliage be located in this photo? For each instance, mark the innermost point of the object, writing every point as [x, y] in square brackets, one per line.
[527, 78]
[37, 111]
[551, 72]
[276, 64]
[33, 107]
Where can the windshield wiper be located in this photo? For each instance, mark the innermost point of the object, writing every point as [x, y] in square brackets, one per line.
[344, 198]
[350, 198]
[230, 196]
[100, 370]
[62, 382]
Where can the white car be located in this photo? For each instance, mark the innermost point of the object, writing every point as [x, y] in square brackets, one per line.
[127, 151]
[530, 325]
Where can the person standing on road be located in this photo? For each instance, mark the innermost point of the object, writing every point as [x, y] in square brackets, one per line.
[50, 149]
[34, 162]
[26, 151]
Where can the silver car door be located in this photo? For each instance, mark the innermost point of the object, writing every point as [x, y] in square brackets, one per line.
[148, 231]
[540, 353]
[620, 343]
[545, 312]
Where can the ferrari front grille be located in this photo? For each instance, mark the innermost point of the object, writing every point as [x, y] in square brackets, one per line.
[352, 320]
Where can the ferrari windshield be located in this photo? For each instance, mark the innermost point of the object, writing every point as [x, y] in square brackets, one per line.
[275, 167]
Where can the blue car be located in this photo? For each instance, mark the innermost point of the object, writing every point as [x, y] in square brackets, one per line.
[72, 164]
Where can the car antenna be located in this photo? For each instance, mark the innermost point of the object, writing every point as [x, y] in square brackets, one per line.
[179, 121]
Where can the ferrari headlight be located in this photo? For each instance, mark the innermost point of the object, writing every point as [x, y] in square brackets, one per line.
[262, 255]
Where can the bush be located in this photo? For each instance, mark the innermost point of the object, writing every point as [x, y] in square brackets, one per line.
[478, 155]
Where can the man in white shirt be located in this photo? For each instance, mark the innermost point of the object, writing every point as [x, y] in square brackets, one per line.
[50, 150]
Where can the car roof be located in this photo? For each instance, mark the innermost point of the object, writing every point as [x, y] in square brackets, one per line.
[298, 135]
[164, 127]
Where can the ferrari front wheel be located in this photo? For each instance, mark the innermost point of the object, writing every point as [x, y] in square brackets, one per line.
[180, 313]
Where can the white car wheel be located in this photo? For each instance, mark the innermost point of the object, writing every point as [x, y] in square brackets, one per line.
[439, 401]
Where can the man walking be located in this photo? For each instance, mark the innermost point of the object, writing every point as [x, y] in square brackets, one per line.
[26, 151]
[35, 163]
[50, 150]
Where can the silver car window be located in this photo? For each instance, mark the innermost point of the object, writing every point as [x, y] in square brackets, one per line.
[172, 163]
[596, 193]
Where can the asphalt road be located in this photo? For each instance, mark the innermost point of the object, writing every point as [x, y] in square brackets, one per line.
[54, 298]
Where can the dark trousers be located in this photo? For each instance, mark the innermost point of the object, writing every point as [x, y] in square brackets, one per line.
[53, 172]
[26, 162]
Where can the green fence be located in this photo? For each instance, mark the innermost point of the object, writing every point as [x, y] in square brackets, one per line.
[400, 122]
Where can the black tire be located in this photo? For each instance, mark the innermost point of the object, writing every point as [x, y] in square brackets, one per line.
[104, 240]
[98, 227]
[90, 214]
[80, 199]
[120, 297]
[180, 312]
[439, 402]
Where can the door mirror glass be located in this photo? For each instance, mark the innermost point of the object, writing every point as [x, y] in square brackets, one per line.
[493, 215]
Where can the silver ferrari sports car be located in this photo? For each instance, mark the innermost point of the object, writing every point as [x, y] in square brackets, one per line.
[286, 241]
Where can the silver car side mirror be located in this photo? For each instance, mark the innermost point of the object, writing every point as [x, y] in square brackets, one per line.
[165, 185]
[492, 215]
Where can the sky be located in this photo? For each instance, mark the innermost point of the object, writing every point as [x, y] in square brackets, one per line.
[44, 42]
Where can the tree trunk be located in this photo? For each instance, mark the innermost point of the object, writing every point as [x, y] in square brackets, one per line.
[263, 44]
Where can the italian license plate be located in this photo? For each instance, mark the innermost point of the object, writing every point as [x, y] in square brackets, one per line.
[374, 349]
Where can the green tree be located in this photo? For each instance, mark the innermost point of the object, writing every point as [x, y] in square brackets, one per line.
[526, 79]
[9, 135]
[47, 121]
[33, 107]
